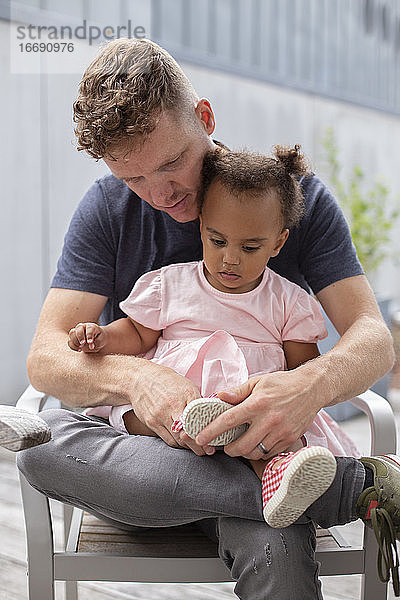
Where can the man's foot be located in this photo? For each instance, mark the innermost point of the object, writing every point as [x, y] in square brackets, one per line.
[379, 507]
[199, 413]
[290, 488]
[20, 429]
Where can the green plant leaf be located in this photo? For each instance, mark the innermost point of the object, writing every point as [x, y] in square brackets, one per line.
[365, 205]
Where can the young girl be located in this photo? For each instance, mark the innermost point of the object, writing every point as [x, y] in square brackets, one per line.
[228, 317]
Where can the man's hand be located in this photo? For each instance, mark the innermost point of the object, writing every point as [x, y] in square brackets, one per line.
[279, 407]
[159, 397]
[87, 337]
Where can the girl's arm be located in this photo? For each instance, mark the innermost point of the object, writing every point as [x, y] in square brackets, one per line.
[124, 336]
[297, 353]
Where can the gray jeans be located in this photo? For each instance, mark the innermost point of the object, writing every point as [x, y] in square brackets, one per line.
[140, 481]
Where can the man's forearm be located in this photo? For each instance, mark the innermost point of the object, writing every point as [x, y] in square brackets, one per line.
[362, 356]
[80, 379]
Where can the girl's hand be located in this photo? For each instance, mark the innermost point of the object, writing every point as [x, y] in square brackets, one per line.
[87, 337]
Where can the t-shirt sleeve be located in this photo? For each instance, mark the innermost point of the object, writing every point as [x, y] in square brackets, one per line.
[326, 251]
[144, 302]
[87, 261]
[304, 322]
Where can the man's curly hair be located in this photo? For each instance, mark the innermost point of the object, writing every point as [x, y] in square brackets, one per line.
[124, 91]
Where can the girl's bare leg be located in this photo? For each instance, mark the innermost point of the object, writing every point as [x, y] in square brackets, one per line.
[259, 465]
[136, 427]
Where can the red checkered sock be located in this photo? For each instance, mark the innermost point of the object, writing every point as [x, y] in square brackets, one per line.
[177, 425]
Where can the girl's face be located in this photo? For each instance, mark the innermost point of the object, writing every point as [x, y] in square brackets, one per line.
[239, 236]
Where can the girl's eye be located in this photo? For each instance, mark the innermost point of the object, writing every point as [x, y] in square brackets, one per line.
[217, 242]
[251, 248]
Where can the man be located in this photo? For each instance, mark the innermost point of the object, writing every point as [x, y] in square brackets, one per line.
[138, 112]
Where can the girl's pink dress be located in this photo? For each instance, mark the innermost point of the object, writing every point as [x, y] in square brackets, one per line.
[218, 340]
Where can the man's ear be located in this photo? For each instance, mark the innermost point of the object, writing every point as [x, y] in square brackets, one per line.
[283, 236]
[205, 114]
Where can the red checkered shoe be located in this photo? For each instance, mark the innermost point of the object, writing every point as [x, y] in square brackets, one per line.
[296, 483]
[199, 413]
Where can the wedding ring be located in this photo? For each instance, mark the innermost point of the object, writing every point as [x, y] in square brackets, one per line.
[262, 448]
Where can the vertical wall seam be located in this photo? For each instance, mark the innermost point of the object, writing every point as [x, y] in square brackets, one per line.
[44, 181]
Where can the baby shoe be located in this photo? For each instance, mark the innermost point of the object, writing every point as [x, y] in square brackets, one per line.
[20, 429]
[300, 479]
[199, 413]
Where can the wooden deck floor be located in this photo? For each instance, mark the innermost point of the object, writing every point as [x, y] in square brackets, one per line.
[13, 553]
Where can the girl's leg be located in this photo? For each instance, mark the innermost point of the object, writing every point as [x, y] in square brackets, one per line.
[259, 465]
[124, 420]
[136, 427]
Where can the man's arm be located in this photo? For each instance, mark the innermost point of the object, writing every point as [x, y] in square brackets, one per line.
[280, 406]
[76, 379]
[364, 352]
[157, 394]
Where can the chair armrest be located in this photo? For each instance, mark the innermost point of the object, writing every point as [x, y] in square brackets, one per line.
[381, 419]
[32, 400]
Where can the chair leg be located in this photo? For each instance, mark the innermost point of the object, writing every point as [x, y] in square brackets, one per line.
[67, 515]
[40, 586]
[371, 588]
[39, 538]
[71, 590]
[71, 587]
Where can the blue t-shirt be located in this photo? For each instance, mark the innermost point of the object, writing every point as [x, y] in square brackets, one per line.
[114, 237]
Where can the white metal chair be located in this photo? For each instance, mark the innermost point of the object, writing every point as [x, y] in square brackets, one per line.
[94, 551]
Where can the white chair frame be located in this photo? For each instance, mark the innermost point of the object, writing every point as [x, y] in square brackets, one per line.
[45, 565]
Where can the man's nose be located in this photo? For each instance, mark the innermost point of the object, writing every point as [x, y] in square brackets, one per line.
[162, 194]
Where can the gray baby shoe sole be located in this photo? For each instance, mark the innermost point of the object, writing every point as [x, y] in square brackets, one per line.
[20, 429]
[200, 412]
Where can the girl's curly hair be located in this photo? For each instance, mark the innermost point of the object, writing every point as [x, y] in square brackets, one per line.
[255, 174]
[123, 92]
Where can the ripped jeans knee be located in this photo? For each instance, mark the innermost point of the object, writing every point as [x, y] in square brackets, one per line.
[270, 563]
